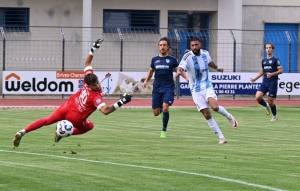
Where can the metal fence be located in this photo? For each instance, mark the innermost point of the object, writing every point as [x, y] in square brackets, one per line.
[62, 48]
[53, 48]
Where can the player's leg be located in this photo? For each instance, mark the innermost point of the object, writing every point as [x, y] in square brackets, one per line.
[157, 102]
[203, 107]
[168, 99]
[271, 100]
[86, 126]
[262, 90]
[212, 99]
[57, 115]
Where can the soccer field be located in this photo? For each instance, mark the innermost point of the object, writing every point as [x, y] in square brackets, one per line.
[124, 152]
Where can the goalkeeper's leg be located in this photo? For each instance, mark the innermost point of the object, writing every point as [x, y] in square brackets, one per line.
[84, 127]
[57, 115]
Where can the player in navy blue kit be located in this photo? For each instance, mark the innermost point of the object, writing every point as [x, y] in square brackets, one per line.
[163, 65]
[270, 69]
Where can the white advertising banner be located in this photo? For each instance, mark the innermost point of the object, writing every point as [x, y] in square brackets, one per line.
[69, 82]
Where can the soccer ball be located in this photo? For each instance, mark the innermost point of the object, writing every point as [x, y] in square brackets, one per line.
[64, 128]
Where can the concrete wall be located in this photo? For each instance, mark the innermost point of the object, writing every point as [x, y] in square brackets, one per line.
[50, 13]
[69, 12]
[76, 13]
[255, 14]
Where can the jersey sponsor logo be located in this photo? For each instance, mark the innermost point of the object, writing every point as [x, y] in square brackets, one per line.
[264, 63]
[278, 62]
[162, 67]
[98, 101]
[267, 67]
[226, 77]
[157, 61]
[204, 57]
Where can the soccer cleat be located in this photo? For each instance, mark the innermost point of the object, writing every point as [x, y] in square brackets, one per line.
[233, 121]
[268, 109]
[163, 134]
[57, 137]
[222, 141]
[274, 118]
[17, 139]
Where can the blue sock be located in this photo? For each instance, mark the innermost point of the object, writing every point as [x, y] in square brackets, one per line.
[263, 103]
[165, 121]
[273, 109]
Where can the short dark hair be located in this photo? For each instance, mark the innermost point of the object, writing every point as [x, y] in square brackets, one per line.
[90, 79]
[165, 39]
[272, 45]
[194, 38]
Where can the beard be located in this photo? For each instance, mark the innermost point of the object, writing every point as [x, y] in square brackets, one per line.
[196, 51]
[164, 52]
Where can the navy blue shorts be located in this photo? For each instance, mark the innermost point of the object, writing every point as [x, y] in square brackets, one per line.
[162, 95]
[270, 87]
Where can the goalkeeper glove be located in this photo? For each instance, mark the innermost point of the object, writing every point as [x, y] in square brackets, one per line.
[125, 98]
[96, 45]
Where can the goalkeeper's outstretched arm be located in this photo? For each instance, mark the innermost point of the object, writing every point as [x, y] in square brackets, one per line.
[89, 58]
[107, 109]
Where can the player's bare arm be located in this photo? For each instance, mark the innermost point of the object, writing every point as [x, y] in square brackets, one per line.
[149, 76]
[107, 109]
[214, 66]
[180, 71]
[88, 60]
[278, 72]
[260, 74]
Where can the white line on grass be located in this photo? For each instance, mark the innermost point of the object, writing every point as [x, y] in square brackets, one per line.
[151, 168]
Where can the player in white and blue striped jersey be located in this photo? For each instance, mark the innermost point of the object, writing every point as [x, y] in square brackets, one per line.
[196, 63]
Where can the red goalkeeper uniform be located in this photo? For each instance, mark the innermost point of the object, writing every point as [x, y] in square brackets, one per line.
[76, 110]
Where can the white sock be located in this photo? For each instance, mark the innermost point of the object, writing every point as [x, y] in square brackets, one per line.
[215, 127]
[223, 111]
[23, 132]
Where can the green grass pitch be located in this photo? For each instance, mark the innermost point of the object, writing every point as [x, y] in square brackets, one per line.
[125, 153]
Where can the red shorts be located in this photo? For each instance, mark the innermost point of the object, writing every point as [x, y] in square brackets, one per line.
[63, 112]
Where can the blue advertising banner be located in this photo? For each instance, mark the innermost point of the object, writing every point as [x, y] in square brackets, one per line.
[225, 88]
[238, 83]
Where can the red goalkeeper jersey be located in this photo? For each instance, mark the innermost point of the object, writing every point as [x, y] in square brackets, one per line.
[85, 101]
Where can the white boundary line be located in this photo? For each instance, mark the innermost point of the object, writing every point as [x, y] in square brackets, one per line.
[150, 168]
